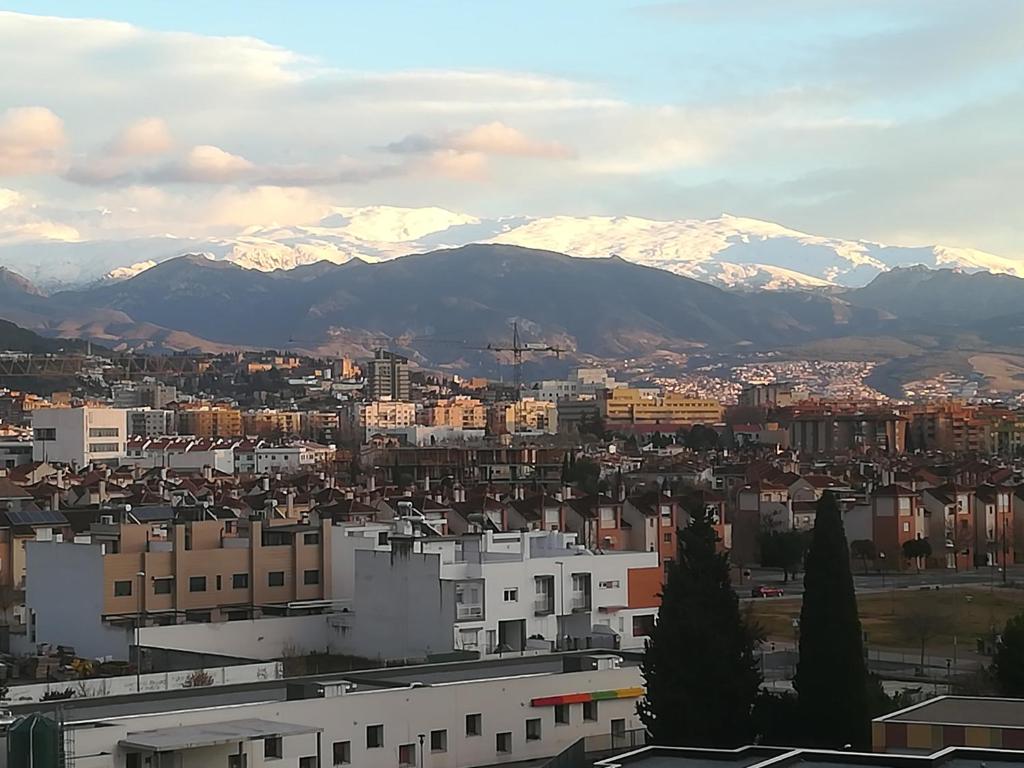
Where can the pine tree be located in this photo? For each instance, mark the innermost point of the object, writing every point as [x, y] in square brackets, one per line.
[831, 677]
[1008, 662]
[701, 676]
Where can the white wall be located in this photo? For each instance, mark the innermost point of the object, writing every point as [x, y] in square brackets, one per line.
[67, 611]
[73, 441]
[262, 639]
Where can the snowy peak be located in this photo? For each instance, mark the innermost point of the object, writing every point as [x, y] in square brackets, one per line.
[730, 251]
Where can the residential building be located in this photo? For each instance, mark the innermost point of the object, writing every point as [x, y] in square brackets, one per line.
[897, 516]
[498, 465]
[79, 436]
[78, 592]
[459, 412]
[210, 421]
[993, 525]
[151, 422]
[626, 406]
[387, 376]
[383, 414]
[524, 415]
[272, 424]
[824, 431]
[15, 450]
[950, 511]
[767, 395]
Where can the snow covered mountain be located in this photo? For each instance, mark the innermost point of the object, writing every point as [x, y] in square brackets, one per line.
[728, 251]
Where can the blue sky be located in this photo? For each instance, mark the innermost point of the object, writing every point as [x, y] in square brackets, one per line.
[892, 120]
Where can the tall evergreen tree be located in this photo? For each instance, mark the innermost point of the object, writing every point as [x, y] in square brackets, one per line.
[699, 664]
[1008, 662]
[831, 680]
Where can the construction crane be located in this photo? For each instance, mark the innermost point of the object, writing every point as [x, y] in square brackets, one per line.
[517, 349]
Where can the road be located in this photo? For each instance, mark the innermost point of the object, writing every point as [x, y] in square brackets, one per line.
[881, 582]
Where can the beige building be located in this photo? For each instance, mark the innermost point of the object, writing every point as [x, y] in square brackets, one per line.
[385, 414]
[271, 423]
[210, 421]
[527, 415]
[626, 405]
[459, 412]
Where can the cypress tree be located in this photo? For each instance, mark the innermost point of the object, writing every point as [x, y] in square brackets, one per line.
[701, 676]
[831, 676]
[1008, 662]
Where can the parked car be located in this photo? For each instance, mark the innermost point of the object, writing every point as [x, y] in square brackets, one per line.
[764, 591]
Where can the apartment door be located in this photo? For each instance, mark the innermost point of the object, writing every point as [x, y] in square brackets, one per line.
[512, 635]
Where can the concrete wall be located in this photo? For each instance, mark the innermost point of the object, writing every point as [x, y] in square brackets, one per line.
[402, 608]
[64, 597]
[148, 683]
[262, 639]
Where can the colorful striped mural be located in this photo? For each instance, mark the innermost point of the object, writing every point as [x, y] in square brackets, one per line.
[579, 698]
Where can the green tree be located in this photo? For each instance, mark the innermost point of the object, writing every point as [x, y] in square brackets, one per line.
[699, 667]
[785, 550]
[1008, 662]
[831, 677]
[864, 550]
[917, 550]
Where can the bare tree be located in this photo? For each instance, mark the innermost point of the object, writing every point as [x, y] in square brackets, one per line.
[921, 623]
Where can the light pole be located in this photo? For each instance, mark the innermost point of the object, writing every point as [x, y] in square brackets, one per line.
[559, 622]
[141, 577]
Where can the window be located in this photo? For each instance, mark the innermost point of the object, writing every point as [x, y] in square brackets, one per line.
[407, 756]
[618, 728]
[511, 595]
[275, 579]
[196, 583]
[906, 527]
[307, 762]
[439, 741]
[272, 747]
[532, 729]
[374, 736]
[104, 447]
[311, 577]
[342, 753]
[561, 714]
[309, 539]
[44, 433]
[643, 625]
[590, 711]
[503, 742]
[474, 725]
[122, 589]
[218, 582]
[103, 432]
[668, 538]
[133, 760]
[163, 586]
[240, 581]
[382, 539]
[236, 761]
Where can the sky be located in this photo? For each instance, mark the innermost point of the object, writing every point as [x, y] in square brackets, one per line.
[898, 121]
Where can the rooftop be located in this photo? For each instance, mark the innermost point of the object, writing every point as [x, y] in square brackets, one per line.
[963, 710]
[210, 734]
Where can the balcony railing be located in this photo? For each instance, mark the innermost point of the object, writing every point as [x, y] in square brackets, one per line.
[580, 603]
[543, 606]
[467, 612]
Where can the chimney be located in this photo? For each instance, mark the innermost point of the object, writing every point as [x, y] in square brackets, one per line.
[290, 503]
[622, 491]
[55, 501]
[426, 483]
[101, 491]
[371, 483]
[207, 472]
[266, 483]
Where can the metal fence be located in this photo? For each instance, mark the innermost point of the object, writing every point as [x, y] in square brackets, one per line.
[581, 754]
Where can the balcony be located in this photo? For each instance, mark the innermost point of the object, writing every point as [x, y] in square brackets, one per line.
[580, 603]
[543, 606]
[468, 612]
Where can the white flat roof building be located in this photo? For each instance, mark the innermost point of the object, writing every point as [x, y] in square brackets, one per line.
[79, 436]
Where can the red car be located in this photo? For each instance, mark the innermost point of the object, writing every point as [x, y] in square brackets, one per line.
[764, 591]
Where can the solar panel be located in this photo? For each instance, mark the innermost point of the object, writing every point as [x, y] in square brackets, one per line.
[152, 514]
[36, 517]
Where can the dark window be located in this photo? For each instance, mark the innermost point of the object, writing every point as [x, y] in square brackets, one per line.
[503, 742]
[122, 589]
[240, 581]
[272, 747]
[196, 583]
[342, 753]
[237, 761]
[439, 741]
[561, 714]
[532, 729]
[311, 577]
[275, 579]
[310, 538]
[374, 736]
[407, 756]
[668, 538]
[218, 582]
[643, 625]
[133, 760]
[590, 711]
[163, 586]
[307, 762]
[474, 725]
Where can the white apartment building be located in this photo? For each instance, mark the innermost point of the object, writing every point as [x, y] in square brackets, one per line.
[283, 458]
[79, 435]
[436, 716]
[584, 382]
[498, 593]
[152, 422]
[184, 453]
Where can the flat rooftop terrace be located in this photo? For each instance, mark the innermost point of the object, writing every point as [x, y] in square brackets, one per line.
[963, 710]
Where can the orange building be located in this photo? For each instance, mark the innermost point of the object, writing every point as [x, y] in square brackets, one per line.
[210, 421]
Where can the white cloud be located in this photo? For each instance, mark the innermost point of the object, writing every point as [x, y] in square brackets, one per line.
[30, 140]
[146, 136]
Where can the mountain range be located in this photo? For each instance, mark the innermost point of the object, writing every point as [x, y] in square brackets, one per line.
[728, 251]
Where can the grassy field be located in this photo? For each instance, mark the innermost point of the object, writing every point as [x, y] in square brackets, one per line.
[901, 618]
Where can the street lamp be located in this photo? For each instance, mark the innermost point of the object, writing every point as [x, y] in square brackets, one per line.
[881, 568]
[141, 576]
[559, 622]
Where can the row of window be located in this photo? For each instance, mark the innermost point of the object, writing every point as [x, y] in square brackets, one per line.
[164, 586]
